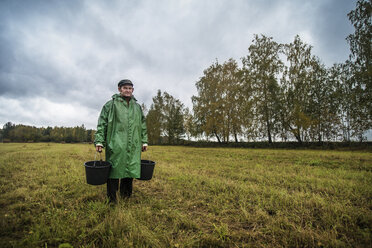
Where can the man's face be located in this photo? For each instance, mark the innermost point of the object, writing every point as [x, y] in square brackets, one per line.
[126, 90]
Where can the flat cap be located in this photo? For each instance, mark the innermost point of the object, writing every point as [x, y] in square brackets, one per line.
[125, 82]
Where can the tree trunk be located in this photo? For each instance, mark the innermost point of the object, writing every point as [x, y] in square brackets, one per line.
[218, 138]
[269, 132]
[298, 137]
[297, 134]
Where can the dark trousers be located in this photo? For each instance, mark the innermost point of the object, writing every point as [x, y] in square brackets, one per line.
[126, 188]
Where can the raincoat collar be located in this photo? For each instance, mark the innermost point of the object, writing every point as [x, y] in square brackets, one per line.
[117, 96]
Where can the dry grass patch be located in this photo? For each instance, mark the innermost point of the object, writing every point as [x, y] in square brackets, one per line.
[198, 197]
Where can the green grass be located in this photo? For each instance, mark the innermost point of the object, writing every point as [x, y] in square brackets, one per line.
[198, 197]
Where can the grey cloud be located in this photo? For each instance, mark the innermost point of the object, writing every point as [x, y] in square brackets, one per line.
[35, 70]
[331, 27]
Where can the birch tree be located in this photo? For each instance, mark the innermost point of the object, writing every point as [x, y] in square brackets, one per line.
[296, 88]
[262, 66]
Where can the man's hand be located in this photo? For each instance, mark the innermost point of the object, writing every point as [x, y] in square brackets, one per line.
[99, 148]
[144, 147]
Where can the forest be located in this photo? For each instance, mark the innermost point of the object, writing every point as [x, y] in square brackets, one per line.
[23, 133]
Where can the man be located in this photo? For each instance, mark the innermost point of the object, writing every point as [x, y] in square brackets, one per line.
[121, 129]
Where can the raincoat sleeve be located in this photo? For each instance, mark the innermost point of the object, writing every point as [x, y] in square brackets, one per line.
[100, 138]
[144, 129]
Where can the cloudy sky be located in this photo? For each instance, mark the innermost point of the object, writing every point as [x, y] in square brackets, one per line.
[60, 61]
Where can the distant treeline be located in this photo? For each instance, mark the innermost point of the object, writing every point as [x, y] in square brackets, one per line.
[24, 133]
[347, 146]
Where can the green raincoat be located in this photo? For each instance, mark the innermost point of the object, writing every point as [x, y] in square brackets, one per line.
[122, 131]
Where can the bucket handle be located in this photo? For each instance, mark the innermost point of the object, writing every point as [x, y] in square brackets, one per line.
[95, 155]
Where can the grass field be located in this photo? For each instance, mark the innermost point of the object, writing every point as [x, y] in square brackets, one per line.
[198, 197]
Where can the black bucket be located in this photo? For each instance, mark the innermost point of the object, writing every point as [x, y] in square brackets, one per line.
[97, 172]
[147, 169]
